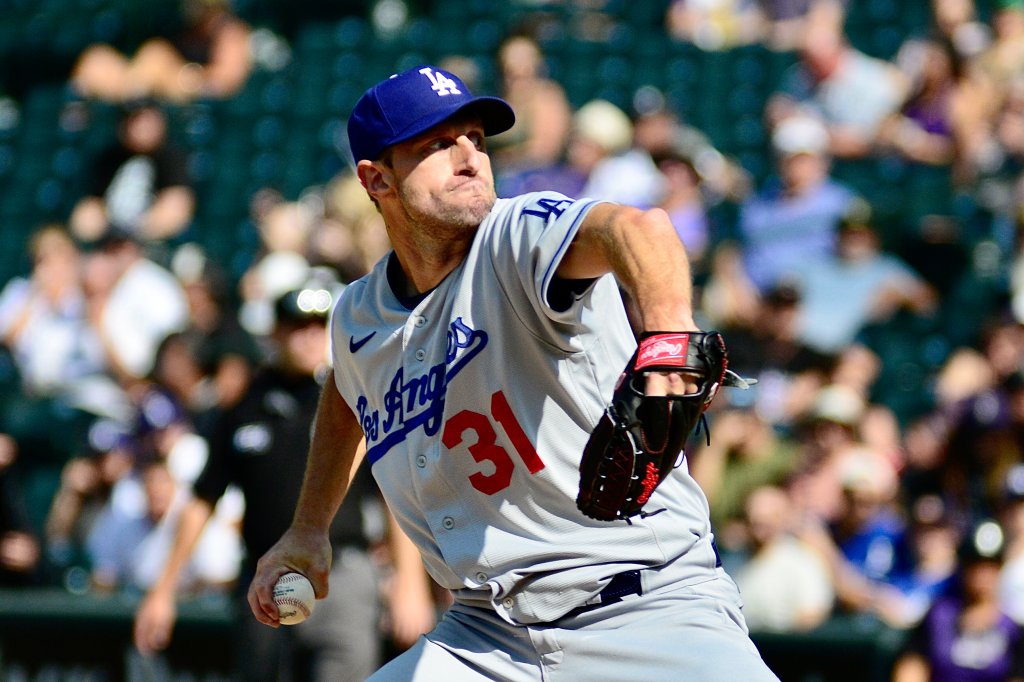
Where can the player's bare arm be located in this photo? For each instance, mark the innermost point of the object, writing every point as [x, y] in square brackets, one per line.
[644, 252]
[305, 548]
[647, 257]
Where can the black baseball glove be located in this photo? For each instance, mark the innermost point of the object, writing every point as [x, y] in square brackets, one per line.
[639, 439]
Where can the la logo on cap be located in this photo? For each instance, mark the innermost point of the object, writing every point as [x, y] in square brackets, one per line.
[440, 83]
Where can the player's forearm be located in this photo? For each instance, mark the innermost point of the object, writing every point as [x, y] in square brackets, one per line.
[334, 454]
[645, 254]
[411, 603]
[406, 558]
[190, 526]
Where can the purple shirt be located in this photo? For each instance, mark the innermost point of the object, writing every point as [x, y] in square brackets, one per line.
[993, 655]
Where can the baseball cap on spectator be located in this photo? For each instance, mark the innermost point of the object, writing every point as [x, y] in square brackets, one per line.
[800, 134]
[604, 124]
[783, 295]
[305, 305]
[412, 102]
[838, 404]
[986, 542]
[114, 236]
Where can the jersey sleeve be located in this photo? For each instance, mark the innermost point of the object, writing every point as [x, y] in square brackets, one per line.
[531, 236]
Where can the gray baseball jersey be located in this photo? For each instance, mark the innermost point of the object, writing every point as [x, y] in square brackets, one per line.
[476, 404]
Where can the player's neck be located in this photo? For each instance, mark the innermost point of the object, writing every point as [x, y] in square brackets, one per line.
[426, 258]
[413, 272]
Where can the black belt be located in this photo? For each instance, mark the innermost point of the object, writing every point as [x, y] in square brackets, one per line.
[622, 585]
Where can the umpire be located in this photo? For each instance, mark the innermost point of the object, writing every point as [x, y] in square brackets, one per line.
[258, 447]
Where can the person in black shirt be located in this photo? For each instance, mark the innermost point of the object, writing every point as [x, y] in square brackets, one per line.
[140, 185]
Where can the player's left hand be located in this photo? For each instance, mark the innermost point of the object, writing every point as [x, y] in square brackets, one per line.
[671, 383]
[301, 550]
[659, 399]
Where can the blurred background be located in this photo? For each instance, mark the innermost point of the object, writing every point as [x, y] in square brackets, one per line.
[846, 176]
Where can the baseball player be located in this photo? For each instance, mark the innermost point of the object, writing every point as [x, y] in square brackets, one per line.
[475, 360]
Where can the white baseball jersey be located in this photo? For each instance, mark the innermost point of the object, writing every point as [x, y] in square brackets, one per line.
[476, 405]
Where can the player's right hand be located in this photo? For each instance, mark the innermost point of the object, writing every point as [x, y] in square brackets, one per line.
[301, 550]
[154, 621]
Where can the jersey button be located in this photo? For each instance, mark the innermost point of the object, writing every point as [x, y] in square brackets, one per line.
[420, 321]
[508, 602]
[481, 577]
[421, 461]
[420, 354]
[448, 522]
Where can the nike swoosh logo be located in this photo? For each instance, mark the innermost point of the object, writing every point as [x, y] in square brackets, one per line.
[354, 346]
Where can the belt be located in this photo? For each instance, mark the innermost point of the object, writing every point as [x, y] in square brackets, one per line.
[622, 585]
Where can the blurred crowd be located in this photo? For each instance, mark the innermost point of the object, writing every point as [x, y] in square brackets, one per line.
[876, 468]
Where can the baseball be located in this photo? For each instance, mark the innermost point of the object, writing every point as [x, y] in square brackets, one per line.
[294, 597]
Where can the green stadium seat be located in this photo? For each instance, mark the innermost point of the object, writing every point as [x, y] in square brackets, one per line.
[351, 33]
[315, 39]
[269, 132]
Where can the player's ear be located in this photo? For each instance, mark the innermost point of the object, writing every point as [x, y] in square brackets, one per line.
[375, 177]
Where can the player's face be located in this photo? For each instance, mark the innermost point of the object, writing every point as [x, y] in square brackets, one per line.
[443, 177]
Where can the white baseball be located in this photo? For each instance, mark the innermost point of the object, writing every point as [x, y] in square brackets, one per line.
[294, 597]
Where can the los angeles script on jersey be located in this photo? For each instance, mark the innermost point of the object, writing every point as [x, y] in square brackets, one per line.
[418, 402]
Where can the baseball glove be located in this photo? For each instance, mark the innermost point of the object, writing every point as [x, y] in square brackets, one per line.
[639, 439]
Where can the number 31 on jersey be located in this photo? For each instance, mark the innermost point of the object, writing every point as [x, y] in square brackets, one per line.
[486, 447]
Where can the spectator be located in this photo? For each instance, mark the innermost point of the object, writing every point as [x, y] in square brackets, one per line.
[957, 21]
[208, 58]
[43, 320]
[599, 130]
[1011, 518]
[255, 446]
[133, 304]
[127, 546]
[282, 263]
[867, 530]
[683, 200]
[785, 583]
[850, 91]
[786, 21]
[950, 113]
[965, 634]
[140, 185]
[224, 352]
[20, 549]
[745, 454]
[351, 237]
[861, 536]
[1000, 64]
[60, 366]
[538, 138]
[827, 431]
[729, 297]
[715, 24]
[86, 484]
[624, 173]
[857, 285]
[769, 349]
[793, 223]
[932, 539]
[924, 130]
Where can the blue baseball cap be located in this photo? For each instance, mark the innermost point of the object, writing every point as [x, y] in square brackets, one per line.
[411, 102]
